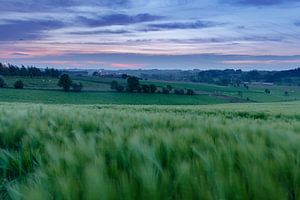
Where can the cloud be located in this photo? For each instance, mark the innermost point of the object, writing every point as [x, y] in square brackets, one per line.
[30, 5]
[118, 19]
[106, 31]
[258, 2]
[255, 62]
[181, 25]
[26, 30]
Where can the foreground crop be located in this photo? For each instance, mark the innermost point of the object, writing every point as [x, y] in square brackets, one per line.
[145, 152]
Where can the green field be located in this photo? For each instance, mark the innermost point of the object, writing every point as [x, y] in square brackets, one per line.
[97, 91]
[232, 151]
[88, 97]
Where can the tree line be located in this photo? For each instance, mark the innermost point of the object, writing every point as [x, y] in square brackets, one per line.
[13, 70]
[133, 85]
[226, 77]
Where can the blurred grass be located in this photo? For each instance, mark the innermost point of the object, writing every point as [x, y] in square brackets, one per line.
[240, 151]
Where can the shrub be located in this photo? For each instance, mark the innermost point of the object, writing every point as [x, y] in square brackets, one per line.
[19, 84]
[179, 91]
[77, 87]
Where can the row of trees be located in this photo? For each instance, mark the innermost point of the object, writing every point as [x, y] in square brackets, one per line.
[13, 70]
[133, 85]
[225, 77]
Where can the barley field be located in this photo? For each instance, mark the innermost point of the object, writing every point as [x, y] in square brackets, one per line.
[232, 151]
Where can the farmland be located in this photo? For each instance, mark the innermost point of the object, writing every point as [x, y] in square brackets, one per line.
[232, 151]
[120, 145]
[97, 91]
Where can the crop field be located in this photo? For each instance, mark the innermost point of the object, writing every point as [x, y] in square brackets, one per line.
[227, 151]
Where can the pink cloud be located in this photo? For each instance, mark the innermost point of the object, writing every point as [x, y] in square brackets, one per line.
[127, 65]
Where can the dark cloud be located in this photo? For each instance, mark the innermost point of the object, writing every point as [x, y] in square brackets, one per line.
[26, 30]
[258, 2]
[118, 19]
[182, 25]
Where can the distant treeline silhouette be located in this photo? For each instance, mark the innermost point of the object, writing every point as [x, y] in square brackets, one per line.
[225, 77]
[13, 70]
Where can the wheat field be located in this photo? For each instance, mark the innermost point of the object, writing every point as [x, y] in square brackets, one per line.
[237, 151]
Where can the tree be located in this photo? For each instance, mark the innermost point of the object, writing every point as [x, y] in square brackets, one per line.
[2, 83]
[114, 84]
[165, 91]
[145, 88]
[170, 88]
[19, 84]
[267, 91]
[133, 84]
[120, 88]
[190, 92]
[65, 82]
[286, 93]
[77, 87]
[153, 88]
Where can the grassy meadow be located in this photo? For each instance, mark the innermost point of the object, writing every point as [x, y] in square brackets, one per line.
[228, 151]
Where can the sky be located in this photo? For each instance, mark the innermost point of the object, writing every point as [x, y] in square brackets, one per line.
[148, 34]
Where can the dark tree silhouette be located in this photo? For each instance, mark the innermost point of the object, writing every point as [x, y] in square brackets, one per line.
[133, 84]
[170, 88]
[65, 82]
[153, 88]
[146, 88]
[12, 70]
[120, 88]
[114, 85]
[19, 84]
[190, 92]
[165, 91]
[2, 83]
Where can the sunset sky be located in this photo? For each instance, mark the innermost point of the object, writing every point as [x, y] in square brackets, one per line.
[146, 34]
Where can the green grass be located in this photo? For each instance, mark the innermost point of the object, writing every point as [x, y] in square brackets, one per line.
[256, 92]
[87, 97]
[237, 151]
